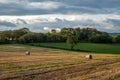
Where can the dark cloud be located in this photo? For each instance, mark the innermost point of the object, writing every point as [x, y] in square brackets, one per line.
[39, 7]
[115, 22]
[7, 24]
[69, 6]
[21, 21]
[94, 3]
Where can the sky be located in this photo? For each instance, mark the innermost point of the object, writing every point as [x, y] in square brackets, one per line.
[44, 15]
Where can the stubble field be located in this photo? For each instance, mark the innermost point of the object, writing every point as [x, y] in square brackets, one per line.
[54, 64]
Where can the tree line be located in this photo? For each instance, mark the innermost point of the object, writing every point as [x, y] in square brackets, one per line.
[69, 35]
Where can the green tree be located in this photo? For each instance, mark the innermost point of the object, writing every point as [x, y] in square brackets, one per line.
[101, 38]
[53, 31]
[18, 33]
[28, 38]
[71, 39]
[117, 39]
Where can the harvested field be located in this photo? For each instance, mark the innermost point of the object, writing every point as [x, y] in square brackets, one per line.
[53, 64]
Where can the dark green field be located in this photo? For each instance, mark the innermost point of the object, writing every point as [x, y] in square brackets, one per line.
[84, 47]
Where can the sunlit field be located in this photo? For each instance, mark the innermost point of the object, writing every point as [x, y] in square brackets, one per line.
[54, 64]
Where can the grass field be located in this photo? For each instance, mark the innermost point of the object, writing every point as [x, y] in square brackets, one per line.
[85, 47]
[54, 64]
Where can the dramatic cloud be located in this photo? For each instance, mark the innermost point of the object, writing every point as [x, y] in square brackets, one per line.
[44, 15]
[42, 23]
[33, 7]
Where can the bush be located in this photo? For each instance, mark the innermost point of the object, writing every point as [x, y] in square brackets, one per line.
[117, 39]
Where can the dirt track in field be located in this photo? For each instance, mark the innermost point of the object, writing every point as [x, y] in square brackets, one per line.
[91, 70]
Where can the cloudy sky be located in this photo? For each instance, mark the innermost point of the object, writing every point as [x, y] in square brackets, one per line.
[44, 15]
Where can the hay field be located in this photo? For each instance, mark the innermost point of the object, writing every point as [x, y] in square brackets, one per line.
[54, 64]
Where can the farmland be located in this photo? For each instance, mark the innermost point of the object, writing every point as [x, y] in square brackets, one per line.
[85, 47]
[55, 64]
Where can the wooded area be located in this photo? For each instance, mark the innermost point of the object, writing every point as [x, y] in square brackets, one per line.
[69, 35]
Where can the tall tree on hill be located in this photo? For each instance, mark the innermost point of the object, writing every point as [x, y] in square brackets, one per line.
[72, 38]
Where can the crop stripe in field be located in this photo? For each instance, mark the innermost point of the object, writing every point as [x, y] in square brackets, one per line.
[45, 71]
[88, 71]
[105, 72]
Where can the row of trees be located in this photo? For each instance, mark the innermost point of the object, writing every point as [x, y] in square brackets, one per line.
[12, 35]
[69, 35]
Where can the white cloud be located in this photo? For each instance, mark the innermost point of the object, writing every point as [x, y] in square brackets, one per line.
[47, 28]
[54, 17]
[8, 1]
[50, 28]
[44, 5]
[58, 29]
[110, 27]
[13, 1]
[58, 21]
